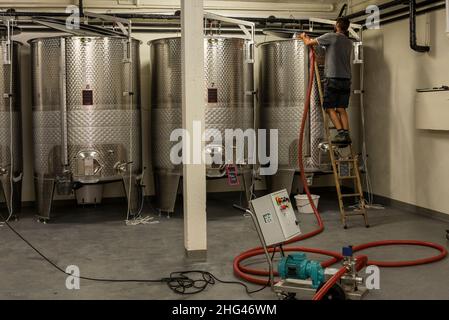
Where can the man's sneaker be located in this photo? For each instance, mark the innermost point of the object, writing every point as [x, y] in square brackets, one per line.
[340, 138]
[347, 137]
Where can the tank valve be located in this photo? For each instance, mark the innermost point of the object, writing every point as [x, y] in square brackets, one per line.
[3, 171]
[351, 278]
[121, 167]
[64, 183]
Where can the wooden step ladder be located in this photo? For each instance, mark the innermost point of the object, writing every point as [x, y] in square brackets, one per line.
[344, 166]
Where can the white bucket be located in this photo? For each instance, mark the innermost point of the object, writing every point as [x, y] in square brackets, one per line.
[303, 204]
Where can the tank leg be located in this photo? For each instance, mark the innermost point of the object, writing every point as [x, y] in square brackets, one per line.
[14, 194]
[247, 184]
[283, 179]
[132, 194]
[167, 190]
[45, 189]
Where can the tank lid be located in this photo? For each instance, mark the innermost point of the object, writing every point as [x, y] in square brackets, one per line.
[79, 37]
[218, 37]
[278, 41]
[282, 33]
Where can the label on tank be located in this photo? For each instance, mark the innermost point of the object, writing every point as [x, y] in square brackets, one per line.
[233, 177]
[88, 97]
[212, 95]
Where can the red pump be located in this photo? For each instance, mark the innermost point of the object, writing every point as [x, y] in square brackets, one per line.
[248, 274]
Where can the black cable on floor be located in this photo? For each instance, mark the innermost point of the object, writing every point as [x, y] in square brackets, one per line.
[282, 250]
[179, 282]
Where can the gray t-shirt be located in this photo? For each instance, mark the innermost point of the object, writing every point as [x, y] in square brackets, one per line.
[338, 55]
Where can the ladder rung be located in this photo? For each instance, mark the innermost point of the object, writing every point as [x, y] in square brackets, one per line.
[354, 214]
[347, 195]
[352, 209]
[347, 177]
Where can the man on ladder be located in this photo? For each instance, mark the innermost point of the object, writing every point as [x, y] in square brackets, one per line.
[337, 71]
[335, 101]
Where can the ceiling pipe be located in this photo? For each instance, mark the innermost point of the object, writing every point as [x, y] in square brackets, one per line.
[405, 9]
[406, 16]
[81, 8]
[151, 16]
[413, 42]
[171, 5]
[261, 23]
[344, 10]
[381, 7]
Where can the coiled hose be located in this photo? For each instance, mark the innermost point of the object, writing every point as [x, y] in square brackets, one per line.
[254, 275]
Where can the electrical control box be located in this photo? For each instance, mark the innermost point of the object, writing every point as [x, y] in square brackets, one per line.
[276, 217]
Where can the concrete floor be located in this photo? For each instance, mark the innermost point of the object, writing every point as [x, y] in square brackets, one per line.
[98, 241]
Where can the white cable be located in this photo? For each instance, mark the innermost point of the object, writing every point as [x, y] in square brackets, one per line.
[141, 220]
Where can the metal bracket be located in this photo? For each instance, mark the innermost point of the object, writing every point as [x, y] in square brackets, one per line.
[358, 52]
[309, 178]
[248, 28]
[123, 24]
[250, 212]
[9, 23]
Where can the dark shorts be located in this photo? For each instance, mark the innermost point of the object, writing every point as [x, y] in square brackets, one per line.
[337, 92]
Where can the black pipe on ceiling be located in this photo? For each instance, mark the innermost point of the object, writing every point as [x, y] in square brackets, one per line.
[261, 23]
[413, 42]
[343, 10]
[407, 16]
[81, 8]
[381, 7]
[404, 9]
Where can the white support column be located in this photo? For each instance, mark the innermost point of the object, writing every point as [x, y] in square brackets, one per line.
[193, 110]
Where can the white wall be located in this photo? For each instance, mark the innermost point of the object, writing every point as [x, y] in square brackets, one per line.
[407, 164]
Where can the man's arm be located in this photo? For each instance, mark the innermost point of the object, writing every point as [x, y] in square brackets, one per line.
[307, 40]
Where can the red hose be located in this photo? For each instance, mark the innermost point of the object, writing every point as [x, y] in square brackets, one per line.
[329, 284]
[248, 274]
[408, 263]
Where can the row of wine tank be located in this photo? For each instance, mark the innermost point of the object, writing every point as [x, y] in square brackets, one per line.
[87, 120]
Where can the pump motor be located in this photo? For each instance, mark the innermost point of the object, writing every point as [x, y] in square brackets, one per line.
[297, 266]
